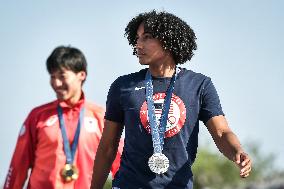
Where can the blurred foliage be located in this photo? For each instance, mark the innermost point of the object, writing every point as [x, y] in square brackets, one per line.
[108, 184]
[212, 170]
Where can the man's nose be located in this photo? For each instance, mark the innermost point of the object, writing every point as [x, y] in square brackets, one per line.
[138, 44]
[56, 82]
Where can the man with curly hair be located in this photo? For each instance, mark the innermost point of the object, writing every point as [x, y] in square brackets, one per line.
[160, 108]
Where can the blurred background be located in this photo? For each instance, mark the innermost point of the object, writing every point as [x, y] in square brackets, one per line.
[240, 46]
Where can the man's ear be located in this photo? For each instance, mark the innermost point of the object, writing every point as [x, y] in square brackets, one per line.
[82, 75]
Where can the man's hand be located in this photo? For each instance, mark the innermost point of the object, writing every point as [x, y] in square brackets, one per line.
[244, 163]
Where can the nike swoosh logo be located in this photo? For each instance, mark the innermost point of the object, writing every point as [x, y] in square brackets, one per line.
[138, 88]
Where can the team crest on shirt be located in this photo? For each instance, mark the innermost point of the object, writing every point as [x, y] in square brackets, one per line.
[51, 121]
[91, 125]
[176, 116]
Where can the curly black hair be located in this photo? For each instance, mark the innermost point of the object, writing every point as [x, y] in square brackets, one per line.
[174, 33]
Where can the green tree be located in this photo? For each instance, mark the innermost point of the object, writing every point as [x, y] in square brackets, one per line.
[108, 184]
[212, 170]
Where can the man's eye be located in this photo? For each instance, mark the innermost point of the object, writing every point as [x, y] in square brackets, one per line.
[148, 36]
[62, 76]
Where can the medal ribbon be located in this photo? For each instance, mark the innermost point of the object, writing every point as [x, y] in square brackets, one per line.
[158, 128]
[69, 153]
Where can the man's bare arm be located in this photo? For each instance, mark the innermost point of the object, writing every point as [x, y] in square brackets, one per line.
[106, 153]
[228, 144]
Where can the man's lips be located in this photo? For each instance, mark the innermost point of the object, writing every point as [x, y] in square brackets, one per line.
[140, 54]
[59, 91]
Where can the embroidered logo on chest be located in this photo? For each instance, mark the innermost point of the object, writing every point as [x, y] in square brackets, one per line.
[91, 125]
[51, 121]
[176, 116]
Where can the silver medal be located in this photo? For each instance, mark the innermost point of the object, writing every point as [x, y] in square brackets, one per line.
[158, 163]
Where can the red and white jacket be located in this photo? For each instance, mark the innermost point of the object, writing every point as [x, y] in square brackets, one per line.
[40, 147]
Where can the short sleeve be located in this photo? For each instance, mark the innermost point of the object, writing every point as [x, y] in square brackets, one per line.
[114, 110]
[210, 102]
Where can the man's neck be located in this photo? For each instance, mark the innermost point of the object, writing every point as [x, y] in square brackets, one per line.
[163, 70]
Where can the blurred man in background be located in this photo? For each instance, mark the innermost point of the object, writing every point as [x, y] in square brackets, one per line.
[58, 140]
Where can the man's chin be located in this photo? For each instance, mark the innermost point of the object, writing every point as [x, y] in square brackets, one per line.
[61, 97]
[143, 63]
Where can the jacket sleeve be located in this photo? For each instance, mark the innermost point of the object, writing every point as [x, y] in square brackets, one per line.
[23, 156]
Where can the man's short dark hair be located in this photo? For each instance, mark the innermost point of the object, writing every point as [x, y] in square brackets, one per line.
[175, 34]
[66, 57]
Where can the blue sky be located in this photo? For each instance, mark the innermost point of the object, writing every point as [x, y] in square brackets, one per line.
[240, 46]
